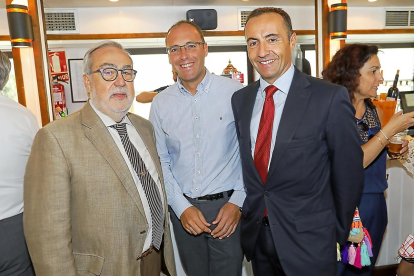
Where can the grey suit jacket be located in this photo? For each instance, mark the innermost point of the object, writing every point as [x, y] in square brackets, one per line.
[83, 213]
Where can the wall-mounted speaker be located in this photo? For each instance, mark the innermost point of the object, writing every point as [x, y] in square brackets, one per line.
[206, 19]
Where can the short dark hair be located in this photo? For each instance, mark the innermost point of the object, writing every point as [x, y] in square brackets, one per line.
[281, 12]
[345, 65]
[181, 22]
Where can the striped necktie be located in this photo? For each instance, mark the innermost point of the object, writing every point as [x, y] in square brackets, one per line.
[148, 184]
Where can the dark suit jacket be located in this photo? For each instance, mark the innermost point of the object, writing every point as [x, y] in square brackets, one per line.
[315, 177]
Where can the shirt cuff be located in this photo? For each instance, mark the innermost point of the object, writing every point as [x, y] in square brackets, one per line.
[179, 204]
[237, 198]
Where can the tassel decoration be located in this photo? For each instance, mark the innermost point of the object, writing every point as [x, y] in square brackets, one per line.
[338, 253]
[358, 250]
[365, 260]
[367, 235]
[369, 247]
[357, 262]
[351, 254]
[344, 254]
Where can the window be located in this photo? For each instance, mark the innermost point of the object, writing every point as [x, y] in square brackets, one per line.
[393, 58]
[154, 69]
[308, 52]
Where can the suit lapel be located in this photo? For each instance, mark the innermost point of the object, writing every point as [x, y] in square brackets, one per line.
[293, 111]
[246, 113]
[100, 137]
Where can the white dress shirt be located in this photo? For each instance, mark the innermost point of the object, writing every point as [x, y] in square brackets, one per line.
[18, 127]
[283, 84]
[146, 157]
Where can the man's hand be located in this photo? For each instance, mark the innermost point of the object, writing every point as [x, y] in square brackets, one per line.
[194, 222]
[227, 220]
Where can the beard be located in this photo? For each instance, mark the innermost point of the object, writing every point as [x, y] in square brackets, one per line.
[127, 99]
[111, 106]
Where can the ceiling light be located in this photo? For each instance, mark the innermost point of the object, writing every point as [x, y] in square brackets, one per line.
[372, 0]
[117, 0]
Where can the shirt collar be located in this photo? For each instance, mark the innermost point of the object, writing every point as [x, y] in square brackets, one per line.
[282, 83]
[202, 87]
[108, 121]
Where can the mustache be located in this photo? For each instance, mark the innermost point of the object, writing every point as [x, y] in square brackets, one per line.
[117, 90]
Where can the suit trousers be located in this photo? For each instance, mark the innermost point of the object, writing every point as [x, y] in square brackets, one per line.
[265, 260]
[14, 256]
[203, 255]
[151, 264]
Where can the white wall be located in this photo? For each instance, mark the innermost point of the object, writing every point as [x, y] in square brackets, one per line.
[364, 18]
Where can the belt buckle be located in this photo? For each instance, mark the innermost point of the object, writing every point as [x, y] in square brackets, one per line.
[212, 196]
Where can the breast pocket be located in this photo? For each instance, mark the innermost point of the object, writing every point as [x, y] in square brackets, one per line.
[88, 264]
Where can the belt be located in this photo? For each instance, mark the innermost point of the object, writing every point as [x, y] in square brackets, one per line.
[265, 221]
[213, 196]
[146, 253]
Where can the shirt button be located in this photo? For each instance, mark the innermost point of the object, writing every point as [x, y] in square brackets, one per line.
[196, 189]
[198, 136]
[196, 118]
[198, 172]
[266, 194]
[195, 100]
[199, 154]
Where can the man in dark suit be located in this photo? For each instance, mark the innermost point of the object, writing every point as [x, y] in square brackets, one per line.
[301, 157]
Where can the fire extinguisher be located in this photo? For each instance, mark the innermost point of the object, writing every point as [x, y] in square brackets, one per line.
[59, 98]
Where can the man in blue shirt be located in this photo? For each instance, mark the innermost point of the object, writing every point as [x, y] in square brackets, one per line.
[199, 153]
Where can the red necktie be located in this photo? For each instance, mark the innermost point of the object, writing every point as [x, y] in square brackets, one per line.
[264, 135]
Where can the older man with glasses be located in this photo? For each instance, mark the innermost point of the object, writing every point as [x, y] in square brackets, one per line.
[199, 153]
[93, 190]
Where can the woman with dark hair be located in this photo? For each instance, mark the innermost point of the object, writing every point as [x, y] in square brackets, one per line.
[357, 67]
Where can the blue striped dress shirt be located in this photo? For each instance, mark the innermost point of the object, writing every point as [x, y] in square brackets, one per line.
[197, 141]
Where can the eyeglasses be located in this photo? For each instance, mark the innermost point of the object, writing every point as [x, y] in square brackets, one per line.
[189, 47]
[364, 127]
[110, 74]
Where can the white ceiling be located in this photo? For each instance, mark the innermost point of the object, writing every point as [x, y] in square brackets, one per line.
[256, 3]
